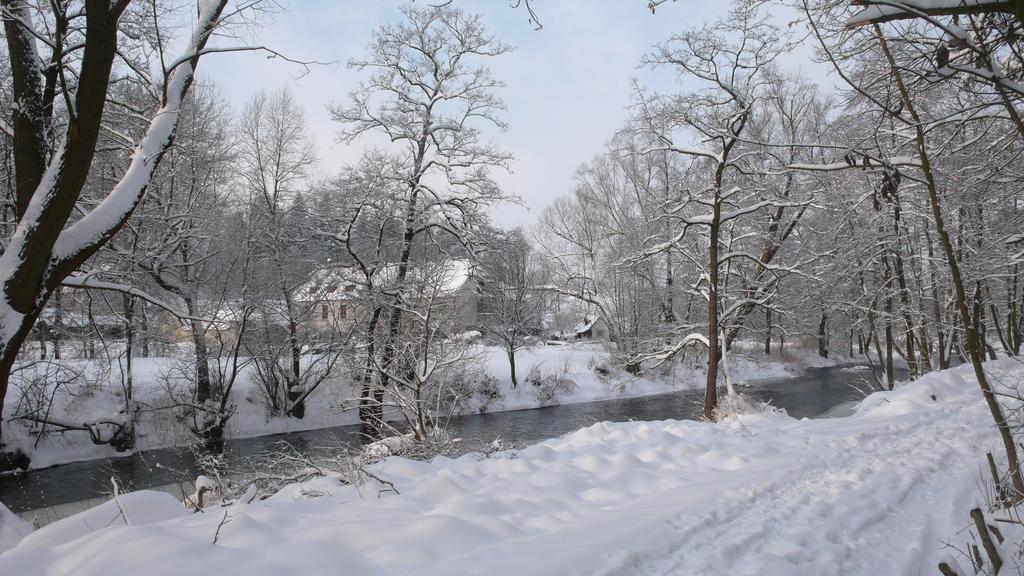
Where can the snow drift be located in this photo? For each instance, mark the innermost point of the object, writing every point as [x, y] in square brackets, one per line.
[874, 493]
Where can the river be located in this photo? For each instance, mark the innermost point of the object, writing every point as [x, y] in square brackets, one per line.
[811, 394]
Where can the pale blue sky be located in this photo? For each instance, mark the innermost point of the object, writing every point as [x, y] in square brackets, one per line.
[567, 85]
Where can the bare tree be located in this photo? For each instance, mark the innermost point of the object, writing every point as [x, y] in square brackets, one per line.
[511, 299]
[181, 224]
[427, 94]
[731, 59]
[276, 155]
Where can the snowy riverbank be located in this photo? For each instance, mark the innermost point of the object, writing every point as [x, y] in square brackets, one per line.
[875, 493]
[570, 373]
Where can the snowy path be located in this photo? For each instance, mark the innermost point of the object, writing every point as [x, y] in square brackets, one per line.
[853, 493]
[875, 493]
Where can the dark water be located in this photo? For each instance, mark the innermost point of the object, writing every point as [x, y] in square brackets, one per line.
[810, 394]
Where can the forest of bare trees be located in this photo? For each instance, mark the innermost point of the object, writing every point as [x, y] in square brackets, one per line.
[174, 264]
[879, 219]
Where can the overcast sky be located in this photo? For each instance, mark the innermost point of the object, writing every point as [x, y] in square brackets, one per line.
[567, 84]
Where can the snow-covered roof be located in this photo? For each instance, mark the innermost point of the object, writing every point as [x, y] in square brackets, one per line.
[329, 284]
[454, 275]
[340, 283]
[233, 313]
[447, 276]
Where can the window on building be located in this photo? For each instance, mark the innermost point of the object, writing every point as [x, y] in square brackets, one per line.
[325, 311]
[343, 311]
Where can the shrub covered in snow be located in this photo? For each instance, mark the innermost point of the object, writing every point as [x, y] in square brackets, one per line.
[732, 406]
[549, 388]
[437, 442]
[486, 392]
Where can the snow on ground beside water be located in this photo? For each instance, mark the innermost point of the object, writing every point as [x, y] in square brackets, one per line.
[158, 429]
[12, 529]
[875, 493]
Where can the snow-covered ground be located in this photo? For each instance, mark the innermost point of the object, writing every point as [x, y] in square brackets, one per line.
[875, 493]
[584, 371]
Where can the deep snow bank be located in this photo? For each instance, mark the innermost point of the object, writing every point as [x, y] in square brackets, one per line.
[874, 493]
[12, 529]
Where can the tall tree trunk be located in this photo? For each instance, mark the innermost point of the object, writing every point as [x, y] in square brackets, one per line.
[512, 366]
[890, 377]
[408, 235]
[58, 323]
[823, 335]
[1004, 339]
[371, 409]
[711, 385]
[668, 313]
[296, 404]
[144, 329]
[127, 434]
[42, 331]
[908, 320]
[940, 333]
[201, 351]
[981, 325]
[768, 331]
[128, 305]
[714, 232]
[1012, 325]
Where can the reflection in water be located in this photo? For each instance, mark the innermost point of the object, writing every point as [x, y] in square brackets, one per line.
[811, 394]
